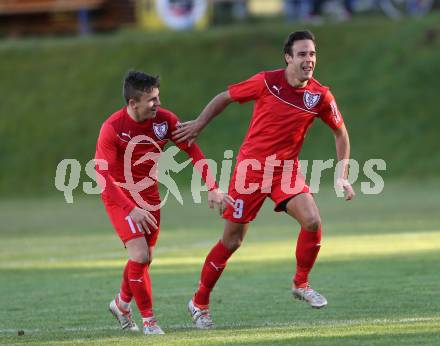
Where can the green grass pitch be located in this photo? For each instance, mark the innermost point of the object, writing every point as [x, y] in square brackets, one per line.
[61, 264]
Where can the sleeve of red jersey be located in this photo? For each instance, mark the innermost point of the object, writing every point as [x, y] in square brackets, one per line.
[329, 112]
[196, 154]
[247, 90]
[106, 150]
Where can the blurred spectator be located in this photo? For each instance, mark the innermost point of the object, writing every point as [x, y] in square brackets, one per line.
[226, 11]
[339, 9]
[298, 9]
[312, 10]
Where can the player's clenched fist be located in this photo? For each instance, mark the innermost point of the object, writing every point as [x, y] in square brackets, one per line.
[143, 218]
[347, 188]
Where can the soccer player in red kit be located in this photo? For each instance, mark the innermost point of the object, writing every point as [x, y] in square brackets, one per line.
[287, 101]
[140, 129]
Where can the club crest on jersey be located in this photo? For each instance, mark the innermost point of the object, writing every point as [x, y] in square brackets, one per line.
[311, 99]
[160, 130]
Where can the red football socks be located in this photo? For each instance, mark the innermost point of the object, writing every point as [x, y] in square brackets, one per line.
[307, 248]
[212, 269]
[140, 286]
[125, 292]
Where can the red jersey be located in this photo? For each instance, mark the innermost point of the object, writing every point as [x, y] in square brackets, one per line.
[113, 142]
[282, 114]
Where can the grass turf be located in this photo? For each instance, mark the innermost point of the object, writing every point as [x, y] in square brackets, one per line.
[61, 264]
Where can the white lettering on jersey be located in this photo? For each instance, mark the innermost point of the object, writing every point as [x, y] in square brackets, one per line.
[335, 112]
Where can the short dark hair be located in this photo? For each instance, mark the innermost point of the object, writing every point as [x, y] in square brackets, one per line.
[297, 36]
[136, 83]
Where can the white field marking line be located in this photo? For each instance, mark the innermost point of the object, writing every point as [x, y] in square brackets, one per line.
[333, 323]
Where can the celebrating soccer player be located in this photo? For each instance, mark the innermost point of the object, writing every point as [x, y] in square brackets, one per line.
[287, 101]
[129, 145]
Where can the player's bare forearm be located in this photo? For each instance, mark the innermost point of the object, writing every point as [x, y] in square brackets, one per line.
[191, 129]
[342, 142]
[213, 108]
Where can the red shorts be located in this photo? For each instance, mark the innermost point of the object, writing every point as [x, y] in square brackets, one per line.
[248, 203]
[127, 229]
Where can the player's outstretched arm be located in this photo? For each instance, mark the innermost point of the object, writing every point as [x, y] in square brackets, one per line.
[342, 142]
[191, 129]
[217, 199]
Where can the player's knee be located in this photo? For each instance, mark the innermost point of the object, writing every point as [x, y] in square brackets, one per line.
[312, 223]
[233, 235]
[141, 257]
[233, 244]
